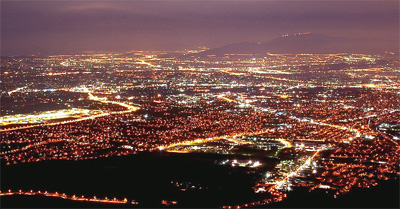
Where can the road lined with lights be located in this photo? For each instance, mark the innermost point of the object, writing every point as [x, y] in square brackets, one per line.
[277, 195]
[229, 138]
[70, 197]
[16, 90]
[46, 116]
[225, 98]
[295, 172]
[130, 108]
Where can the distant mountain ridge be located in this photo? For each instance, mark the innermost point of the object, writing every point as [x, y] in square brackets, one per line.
[302, 43]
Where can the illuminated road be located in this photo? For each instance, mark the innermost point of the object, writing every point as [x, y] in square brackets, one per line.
[295, 172]
[277, 195]
[16, 90]
[222, 96]
[285, 79]
[46, 116]
[70, 197]
[229, 138]
[265, 72]
[130, 108]
[146, 63]
[381, 86]
[230, 72]
[285, 142]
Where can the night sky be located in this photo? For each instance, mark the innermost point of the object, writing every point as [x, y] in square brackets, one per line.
[57, 27]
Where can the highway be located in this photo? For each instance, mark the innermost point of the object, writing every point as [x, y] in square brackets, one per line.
[130, 108]
[70, 197]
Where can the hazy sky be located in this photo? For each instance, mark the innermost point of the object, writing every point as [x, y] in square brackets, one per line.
[67, 26]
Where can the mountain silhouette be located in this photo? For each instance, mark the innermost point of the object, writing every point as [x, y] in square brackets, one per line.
[302, 43]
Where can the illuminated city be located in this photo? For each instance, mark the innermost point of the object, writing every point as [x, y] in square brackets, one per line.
[200, 127]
